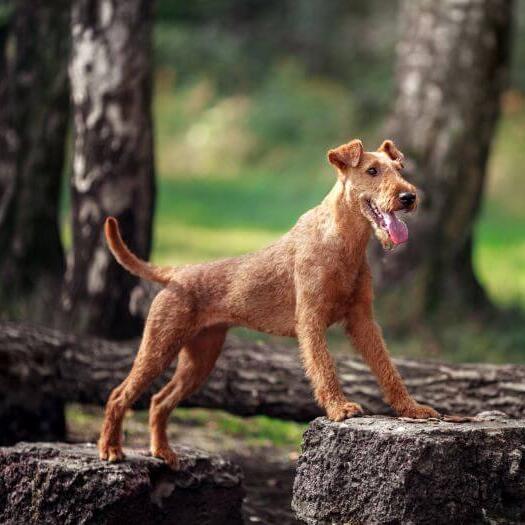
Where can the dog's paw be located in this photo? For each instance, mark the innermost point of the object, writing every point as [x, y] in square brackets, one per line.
[167, 455]
[342, 411]
[111, 453]
[417, 411]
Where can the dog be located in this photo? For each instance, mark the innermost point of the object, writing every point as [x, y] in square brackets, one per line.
[314, 276]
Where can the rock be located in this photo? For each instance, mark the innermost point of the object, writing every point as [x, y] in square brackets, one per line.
[372, 470]
[59, 483]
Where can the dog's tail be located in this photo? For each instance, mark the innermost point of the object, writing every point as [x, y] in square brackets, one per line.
[129, 260]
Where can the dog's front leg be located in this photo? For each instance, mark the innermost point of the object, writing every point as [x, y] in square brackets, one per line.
[367, 339]
[320, 367]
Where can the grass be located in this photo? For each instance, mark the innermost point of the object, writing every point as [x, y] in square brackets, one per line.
[257, 430]
[195, 424]
[203, 218]
[499, 255]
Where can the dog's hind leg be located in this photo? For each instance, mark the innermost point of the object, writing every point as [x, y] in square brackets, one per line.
[196, 361]
[157, 350]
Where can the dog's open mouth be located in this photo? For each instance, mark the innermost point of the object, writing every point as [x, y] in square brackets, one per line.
[389, 229]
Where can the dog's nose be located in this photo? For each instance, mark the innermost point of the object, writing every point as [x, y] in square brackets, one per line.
[407, 198]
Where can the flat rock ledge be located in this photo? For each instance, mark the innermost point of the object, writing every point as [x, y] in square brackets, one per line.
[42, 483]
[377, 469]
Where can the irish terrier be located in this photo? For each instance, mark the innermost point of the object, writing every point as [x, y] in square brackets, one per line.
[314, 276]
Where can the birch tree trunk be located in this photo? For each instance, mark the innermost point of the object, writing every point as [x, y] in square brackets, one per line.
[113, 171]
[452, 63]
[34, 107]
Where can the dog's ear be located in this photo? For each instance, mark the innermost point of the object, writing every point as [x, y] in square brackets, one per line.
[347, 155]
[391, 150]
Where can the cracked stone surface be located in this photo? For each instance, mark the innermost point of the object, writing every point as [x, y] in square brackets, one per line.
[61, 483]
[387, 470]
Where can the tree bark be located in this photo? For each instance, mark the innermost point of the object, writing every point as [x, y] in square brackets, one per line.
[59, 483]
[380, 470]
[113, 173]
[452, 64]
[34, 110]
[249, 378]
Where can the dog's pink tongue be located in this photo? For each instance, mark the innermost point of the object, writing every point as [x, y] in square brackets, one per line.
[397, 229]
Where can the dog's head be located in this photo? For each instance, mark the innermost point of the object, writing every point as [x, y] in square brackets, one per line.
[373, 180]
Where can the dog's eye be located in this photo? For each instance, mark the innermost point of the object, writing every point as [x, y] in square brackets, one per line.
[372, 171]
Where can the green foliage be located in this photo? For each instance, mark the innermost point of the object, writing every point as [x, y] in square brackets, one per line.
[202, 11]
[258, 430]
[239, 40]
[499, 253]
[294, 110]
[466, 340]
[6, 11]
[236, 43]
[283, 124]
[213, 52]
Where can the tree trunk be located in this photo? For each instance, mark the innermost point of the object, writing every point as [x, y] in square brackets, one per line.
[248, 379]
[451, 68]
[59, 483]
[34, 108]
[382, 470]
[113, 171]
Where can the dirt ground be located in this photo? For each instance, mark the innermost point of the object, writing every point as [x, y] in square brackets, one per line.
[269, 467]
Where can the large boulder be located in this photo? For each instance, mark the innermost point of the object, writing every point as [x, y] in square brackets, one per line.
[373, 470]
[58, 483]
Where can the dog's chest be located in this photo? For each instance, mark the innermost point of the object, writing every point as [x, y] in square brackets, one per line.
[345, 284]
[343, 287]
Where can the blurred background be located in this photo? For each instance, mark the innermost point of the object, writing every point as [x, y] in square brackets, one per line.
[246, 97]
[249, 97]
